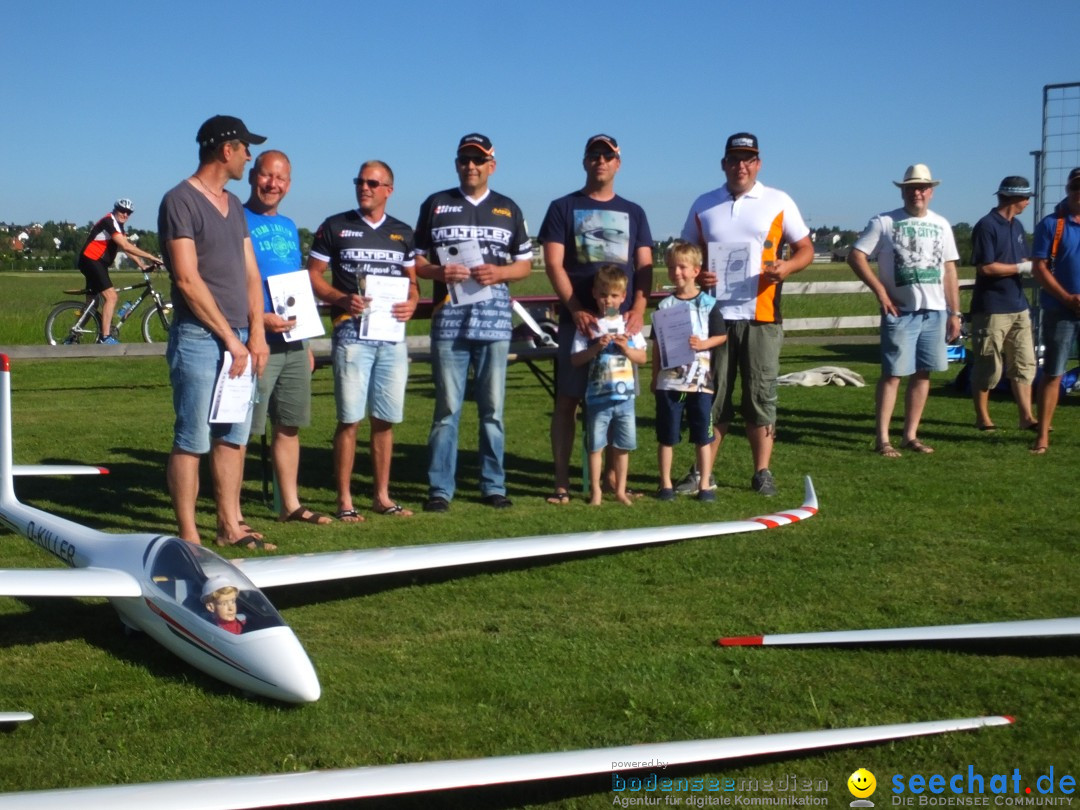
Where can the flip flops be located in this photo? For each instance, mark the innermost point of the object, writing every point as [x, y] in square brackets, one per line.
[248, 541]
[886, 450]
[298, 516]
[915, 446]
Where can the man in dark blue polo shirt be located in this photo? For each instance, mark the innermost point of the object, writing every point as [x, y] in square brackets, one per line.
[1000, 323]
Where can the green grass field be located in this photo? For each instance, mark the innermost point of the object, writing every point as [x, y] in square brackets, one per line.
[604, 650]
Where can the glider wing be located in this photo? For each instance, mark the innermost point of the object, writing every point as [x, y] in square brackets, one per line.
[234, 793]
[1033, 628]
[267, 572]
[67, 582]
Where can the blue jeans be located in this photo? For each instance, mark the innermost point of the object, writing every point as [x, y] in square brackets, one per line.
[450, 361]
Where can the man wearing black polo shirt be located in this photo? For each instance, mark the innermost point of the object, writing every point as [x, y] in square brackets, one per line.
[369, 374]
[1000, 323]
[470, 217]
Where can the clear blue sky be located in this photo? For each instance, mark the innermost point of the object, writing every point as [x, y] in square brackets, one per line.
[103, 100]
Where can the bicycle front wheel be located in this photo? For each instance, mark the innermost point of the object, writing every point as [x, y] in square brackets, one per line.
[156, 323]
[70, 324]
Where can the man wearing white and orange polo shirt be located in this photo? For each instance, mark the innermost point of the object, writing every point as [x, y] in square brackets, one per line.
[742, 227]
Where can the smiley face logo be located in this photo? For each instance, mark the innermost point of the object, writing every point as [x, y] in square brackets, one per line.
[862, 783]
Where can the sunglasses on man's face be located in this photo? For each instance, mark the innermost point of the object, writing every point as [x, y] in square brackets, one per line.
[372, 184]
[475, 160]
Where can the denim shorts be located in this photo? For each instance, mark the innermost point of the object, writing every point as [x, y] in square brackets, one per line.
[1060, 332]
[913, 341]
[370, 377]
[614, 418]
[194, 355]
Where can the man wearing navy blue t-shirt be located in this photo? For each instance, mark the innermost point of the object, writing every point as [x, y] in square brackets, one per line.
[1000, 323]
[581, 232]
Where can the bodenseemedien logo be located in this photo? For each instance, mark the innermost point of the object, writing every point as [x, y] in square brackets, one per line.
[862, 785]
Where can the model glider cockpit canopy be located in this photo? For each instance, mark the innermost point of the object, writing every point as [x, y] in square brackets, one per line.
[180, 570]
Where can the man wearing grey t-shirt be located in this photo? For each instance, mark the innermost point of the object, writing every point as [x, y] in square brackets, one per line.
[217, 294]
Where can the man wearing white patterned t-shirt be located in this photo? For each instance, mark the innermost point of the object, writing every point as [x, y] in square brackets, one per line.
[920, 301]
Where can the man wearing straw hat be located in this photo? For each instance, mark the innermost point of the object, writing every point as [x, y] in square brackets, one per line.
[920, 301]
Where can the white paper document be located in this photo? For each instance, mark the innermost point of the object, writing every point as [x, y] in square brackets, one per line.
[293, 300]
[470, 254]
[672, 329]
[233, 396]
[378, 321]
[731, 263]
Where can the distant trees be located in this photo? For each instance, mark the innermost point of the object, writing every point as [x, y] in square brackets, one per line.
[962, 235]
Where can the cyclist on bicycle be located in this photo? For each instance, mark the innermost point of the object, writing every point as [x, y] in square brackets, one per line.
[106, 237]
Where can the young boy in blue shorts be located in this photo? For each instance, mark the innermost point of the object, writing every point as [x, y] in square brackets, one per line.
[611, 355]
[688, 387]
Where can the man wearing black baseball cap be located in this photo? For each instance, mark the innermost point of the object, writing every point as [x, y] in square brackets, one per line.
[1000, 323]
[1056, 251]
[581, 232]
[475, 331]
[741, 228]
[217, 295]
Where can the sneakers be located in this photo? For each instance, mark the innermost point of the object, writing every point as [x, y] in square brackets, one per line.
[763, 484]
[437, 504]
[497, 501]
[108, 340]
[690, 484]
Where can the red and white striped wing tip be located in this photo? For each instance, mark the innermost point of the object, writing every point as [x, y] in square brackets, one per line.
[1031, 628]
[235, 793]
[807, 510]
[15, 717]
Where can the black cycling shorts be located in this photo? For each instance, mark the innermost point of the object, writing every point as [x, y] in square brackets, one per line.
[97, 275]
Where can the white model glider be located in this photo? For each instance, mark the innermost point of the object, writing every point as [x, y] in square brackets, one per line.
[10, 718]
[235, 793]
[155, 581]
[1032, 628]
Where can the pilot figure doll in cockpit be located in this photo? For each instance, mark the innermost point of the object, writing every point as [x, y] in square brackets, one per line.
[220, 599]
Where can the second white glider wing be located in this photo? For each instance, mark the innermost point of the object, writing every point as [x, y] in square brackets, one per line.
[267, 572]
[1028, 628]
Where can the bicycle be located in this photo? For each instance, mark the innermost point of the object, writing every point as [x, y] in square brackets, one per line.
[72, 322]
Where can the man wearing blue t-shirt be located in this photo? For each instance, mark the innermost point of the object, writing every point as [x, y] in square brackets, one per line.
[471, 241]
[1056, 251]
[581, 232]
[285, 385]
